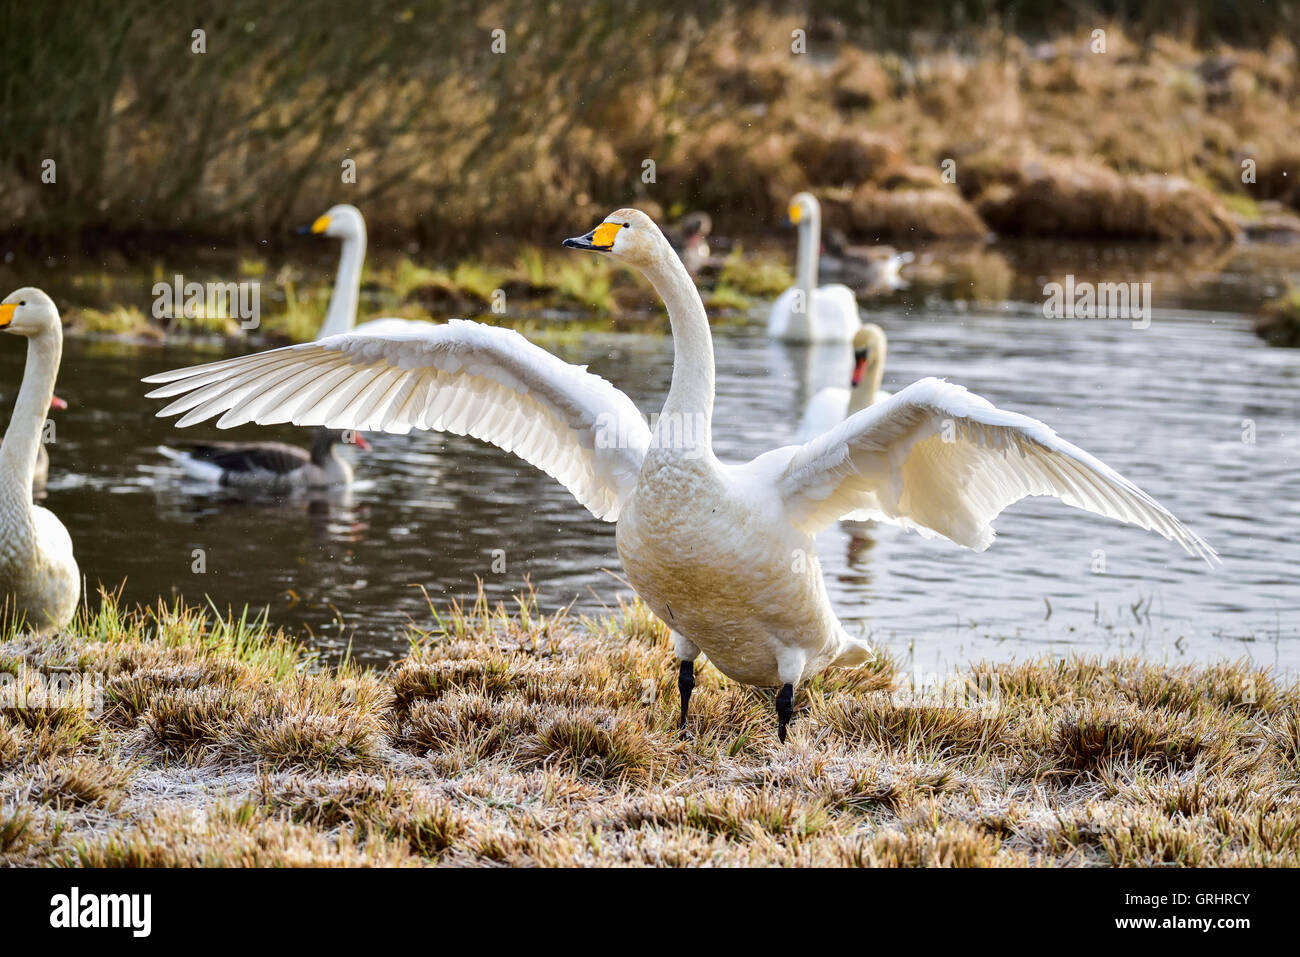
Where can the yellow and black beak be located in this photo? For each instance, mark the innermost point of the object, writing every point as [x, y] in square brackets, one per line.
[600, 239]
[315, 229]
[7, 313]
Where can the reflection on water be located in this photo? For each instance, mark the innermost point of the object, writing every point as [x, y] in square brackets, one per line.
[1166, 406]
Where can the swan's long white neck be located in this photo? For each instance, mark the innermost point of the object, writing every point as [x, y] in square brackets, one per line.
[802, 317]
[22, 439]
[686, 422]
[342, 313]
[810, 238]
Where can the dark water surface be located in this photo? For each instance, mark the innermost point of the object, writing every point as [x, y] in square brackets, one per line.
[1167, 406]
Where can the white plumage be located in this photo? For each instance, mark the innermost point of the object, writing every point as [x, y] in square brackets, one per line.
[463, 377]
[724, 554]
[944, 461]
[345, 223]
[39, 579]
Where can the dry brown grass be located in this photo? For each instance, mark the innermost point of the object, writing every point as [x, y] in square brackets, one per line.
[1075, 198]
[914, 214]
[735, 121]
[510, 737]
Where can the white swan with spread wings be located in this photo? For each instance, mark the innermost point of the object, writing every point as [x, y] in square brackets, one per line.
[722, 553]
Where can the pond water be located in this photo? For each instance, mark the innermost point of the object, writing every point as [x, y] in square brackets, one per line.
[1172, 407]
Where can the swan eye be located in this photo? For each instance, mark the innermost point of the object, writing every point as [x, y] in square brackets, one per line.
[627, 225]
[23, 302]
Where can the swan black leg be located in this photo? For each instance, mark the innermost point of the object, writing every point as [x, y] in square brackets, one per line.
[784, 709]
[686, 684]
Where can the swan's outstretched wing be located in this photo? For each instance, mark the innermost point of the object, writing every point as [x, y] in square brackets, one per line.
[943, 461]
[463, 377]
[384, 327]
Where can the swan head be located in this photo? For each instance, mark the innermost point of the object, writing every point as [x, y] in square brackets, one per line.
[628, 235]
[803, 208]
[868, 354]
[28, 312]
[340, 222]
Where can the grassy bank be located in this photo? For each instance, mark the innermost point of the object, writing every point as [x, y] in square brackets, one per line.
[533, 289]
[1278, 321]
[508, 737]
[908, 128]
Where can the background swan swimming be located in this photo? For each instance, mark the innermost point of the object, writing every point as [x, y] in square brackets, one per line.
[807, 312]
[832, 405]
[345, 223]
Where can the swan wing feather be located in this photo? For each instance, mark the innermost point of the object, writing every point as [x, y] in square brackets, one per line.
[463, 377]
[941, 460]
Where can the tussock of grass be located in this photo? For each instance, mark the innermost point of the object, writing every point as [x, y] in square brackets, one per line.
[14, 829]
[228, 836]
[956, 844]
[181, 721]
[761, 278]
[11, 747]
[938, 213]
[465, 720]
[1279, 319]
[508, 736]
[910, 729]
[1079, 198]
[371, 808]
[81, 781]
[326, 742]
[1097, 736]
[118, 321]
[593, 743]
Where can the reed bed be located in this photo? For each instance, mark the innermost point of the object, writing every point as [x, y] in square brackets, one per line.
[927, 131]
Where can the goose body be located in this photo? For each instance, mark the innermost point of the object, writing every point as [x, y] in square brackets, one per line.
[39, 579]
[724, 554]
[871, 270]
[273, 466]
[691, 240]
[807, 312]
